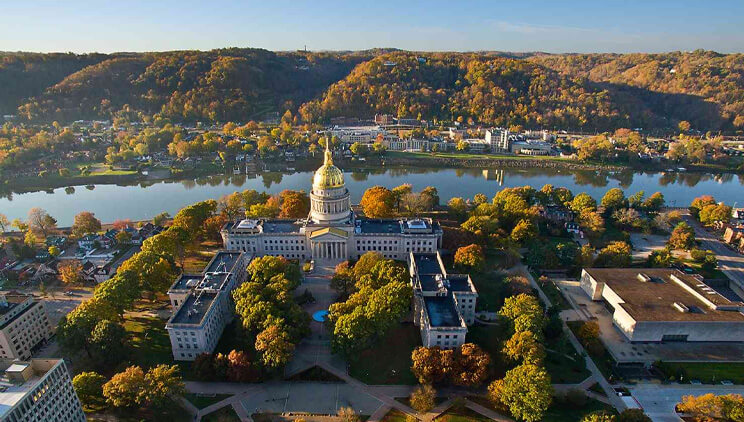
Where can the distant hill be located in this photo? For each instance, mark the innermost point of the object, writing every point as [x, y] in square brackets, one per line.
[589, 92]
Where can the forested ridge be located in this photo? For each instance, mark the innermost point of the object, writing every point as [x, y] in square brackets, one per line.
[571, 91]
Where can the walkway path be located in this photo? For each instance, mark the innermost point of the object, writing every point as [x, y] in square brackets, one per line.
[615, 401]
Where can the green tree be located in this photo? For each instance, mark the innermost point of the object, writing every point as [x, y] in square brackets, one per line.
[458, 208]
[343, 279]
[161, 383]
[525, 390]
[89, 387]
[633, 415]
[614, 255]
[614, 199]
[715, 213]
[599, 416]
[525, 347]
[525, 313]
[160, 219]
[107, 342]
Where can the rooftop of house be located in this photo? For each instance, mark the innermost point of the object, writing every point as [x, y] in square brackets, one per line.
[223, 261]
[369, 226]
[441, 311]
[667, 294]
[281, 226]
[12, 299]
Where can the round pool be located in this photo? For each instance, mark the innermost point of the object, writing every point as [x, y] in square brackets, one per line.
[320, 316]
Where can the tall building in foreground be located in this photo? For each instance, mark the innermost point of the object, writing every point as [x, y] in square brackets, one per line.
[39, 390]
[203, 304]
[332, 232]
[24, 325]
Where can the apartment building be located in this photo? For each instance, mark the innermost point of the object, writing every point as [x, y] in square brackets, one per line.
[24, 325]
[38, 390]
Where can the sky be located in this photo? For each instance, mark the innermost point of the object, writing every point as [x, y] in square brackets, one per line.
[566, 26]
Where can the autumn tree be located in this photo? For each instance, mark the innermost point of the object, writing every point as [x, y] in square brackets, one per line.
[699, 203]
[682, 237]
[525, 390]
[614, 199]
[85, 223]
[729, 407]
[240, 368]
[423, 398]
[378, 202]
[41, 223]
[343, 279]
[428, 364]
[581, 202]
[126, 389]
[615, 255]
[70, 272]
[470, 257]
[525, 346]
[599, 416]
[4, 224]
[458, 208]
[295, 204]
[524, 230]
[715, 213]
[275, 346]
[471, 365]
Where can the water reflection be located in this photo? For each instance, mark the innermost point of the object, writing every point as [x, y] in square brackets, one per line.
[144, 199]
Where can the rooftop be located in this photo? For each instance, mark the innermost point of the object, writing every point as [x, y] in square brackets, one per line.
[281, 226]
[14, 386]
[194, 308]
[369, 225]
[186, 281]
[13, 299]
[441, 311]
[653, 294]
[223, 262]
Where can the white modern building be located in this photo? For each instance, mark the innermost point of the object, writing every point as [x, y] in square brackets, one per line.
[24, 325]
[203, 304]
[498, 139]
[332, 232]
[444, 304]
[39, 390]
[666, 305]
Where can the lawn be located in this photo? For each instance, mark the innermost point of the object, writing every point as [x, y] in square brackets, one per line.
[563, 363]
[459, 413]
[567, 412]
[554, 294]
[394, 415]
[603, 360]
[148, 340]
[171, 412]
[706, 372]
[198, 258]
[389, 361]
[491, 290]
[225, 414]
[203, 401]
[491, 338]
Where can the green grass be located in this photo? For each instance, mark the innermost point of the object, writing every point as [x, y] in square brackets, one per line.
[461, 414]
[171, 412]
[388, 361]
[706, 372]
[394, 415]
[491, 338]
[554, 294]
[148, 340]
[566, 412]
[603, 360]
[201, 401]
[225, 414]
[563, 362]
[491, 290]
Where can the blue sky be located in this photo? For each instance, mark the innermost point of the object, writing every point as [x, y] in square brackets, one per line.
[551, 26]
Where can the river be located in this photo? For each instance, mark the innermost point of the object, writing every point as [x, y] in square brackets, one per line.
[143, 201]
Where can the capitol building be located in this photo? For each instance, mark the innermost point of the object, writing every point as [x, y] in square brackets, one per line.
[332, 232]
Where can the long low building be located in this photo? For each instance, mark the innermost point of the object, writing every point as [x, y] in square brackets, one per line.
[444, 304]
[203, 305]
[666, 305]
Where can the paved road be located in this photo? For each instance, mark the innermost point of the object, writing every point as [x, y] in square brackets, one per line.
[658, 401]
[730, 262]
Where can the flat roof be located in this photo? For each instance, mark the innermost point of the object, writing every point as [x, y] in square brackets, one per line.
[13, 299]
[183, 281]
[13, 392]
[223, 261]
[369, 225]
[654, 300]
[441, 311]
[281, 226]
[193, 311]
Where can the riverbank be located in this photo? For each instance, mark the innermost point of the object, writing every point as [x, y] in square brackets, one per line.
[395, 158]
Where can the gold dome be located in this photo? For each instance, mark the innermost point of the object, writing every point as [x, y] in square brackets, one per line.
[328, 176]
